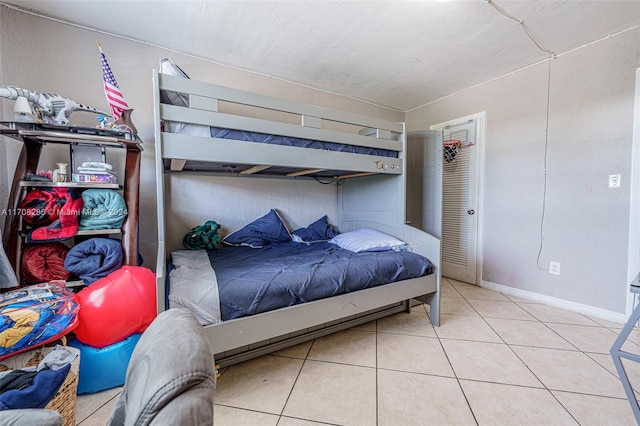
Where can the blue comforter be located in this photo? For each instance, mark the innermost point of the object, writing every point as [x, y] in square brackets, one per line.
[251, 281]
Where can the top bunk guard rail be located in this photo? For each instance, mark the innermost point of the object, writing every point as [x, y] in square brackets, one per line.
[315, 123]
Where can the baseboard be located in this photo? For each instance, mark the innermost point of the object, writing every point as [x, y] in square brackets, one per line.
[558, 303]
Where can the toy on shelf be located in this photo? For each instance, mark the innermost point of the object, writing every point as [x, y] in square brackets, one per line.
[22, 110]
[122, 124]
[49, 107]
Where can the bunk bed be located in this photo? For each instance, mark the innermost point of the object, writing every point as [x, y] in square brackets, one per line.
[205, 127]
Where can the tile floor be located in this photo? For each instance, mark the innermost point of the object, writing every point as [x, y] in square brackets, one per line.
[495, 360]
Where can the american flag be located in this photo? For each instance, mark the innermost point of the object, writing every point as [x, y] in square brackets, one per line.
[115, 99]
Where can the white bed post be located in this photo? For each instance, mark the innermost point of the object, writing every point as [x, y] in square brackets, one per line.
[161, 266]
[380, 202]
[425, 237]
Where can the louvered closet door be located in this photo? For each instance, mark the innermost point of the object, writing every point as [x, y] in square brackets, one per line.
[459, 198]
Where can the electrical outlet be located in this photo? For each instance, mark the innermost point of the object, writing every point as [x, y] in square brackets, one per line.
[554, 268]
[614, 181]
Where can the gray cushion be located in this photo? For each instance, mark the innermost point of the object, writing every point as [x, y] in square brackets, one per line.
[30, 416]
[171, 375]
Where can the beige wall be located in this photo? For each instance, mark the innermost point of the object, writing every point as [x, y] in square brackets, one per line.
[591, 95]
[44, 55]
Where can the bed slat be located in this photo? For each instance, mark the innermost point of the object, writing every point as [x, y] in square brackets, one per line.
[254, 169]
[352, 175]
[304, 172]
[177, 165]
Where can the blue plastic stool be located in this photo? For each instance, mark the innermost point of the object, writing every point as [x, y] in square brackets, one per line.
[104, 368]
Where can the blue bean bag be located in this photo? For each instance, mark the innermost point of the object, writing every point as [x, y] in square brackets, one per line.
[104, 368]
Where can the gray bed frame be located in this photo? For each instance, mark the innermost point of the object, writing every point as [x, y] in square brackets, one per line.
[372, 193]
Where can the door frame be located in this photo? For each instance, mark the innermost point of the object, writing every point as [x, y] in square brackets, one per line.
[480, 143]
[633, 251]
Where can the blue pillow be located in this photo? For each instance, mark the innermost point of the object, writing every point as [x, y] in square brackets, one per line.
[265, 230]
[320, 230]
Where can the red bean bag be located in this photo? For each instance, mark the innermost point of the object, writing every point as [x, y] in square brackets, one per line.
[116, 306]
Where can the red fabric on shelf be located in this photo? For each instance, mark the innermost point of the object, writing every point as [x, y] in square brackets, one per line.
[44, 262]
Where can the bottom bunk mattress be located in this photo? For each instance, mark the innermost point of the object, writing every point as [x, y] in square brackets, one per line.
[234, 282]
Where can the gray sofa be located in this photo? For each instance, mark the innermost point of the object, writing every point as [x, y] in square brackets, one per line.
[171, 376]
[170, 379]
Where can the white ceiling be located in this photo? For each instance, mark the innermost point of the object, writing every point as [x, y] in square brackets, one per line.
[398, 54]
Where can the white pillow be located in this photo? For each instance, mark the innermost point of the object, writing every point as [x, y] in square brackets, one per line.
[366, 239]
[167, 66]
[188, 129]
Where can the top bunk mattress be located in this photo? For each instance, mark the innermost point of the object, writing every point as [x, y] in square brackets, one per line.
[251, 281]
[241, 135]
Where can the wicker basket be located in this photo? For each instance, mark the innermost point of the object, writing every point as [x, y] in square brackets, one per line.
[65, 400]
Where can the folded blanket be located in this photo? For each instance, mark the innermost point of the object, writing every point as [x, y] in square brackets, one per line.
[44, 262]
[95, 258]
[41, 206]
[44, 387]
[103, 209]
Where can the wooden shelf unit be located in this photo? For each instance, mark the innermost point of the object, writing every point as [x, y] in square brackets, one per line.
[33, 137]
